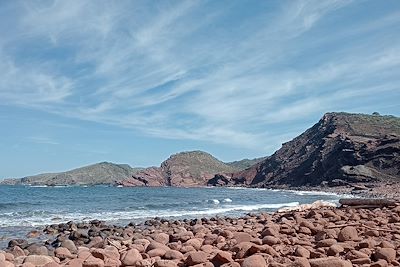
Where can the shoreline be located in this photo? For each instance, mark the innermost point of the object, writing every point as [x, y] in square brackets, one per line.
[318, 237]
[323, 236]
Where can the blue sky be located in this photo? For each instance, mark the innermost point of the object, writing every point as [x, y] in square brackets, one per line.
[135, 81]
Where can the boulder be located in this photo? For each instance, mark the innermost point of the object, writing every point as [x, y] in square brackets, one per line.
[4, 263]
[348, 233]
[38, 260]
[380, 263]
[302, 252]
[63, 253]
[70, 245]
[173, 254]
[330, 262]
[161, 238]
[254, 261]
[130, 257]
[242, 237]
[165, 263]
[221, 258]
[196, 257]
[93, 262]
[387, 254]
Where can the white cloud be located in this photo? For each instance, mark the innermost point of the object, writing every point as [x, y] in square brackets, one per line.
[183, 70]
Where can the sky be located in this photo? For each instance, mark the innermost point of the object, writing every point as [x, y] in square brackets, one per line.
[135, 81]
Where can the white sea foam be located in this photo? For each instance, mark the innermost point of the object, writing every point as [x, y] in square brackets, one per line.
[227, 200]
[215, 201]
[51, 218]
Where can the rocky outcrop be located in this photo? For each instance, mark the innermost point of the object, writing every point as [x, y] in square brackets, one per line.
[341, 147]
[192, 168]
[100, 173]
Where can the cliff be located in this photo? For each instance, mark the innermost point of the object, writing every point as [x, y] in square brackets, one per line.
[340, 148]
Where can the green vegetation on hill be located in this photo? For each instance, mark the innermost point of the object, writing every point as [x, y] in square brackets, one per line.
[99, 173]
[245, 163]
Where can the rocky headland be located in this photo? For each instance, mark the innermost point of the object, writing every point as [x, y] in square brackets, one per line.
[342, 149]
[192, 168]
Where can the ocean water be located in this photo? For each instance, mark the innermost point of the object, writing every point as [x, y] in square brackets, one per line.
[23, 208]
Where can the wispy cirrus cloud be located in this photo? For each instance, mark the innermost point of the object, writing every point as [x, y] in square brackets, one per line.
[195, 69]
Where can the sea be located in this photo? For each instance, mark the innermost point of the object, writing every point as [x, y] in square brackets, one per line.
[25, 208]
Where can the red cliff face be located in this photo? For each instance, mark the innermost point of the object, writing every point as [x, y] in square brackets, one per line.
[183, 169]
[341, 146]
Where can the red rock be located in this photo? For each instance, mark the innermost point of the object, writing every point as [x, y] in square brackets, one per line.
[305, 230]
[300, 262]
[130, 257]
[242, 237]
[28, 264]
[302, 252]
[93, 262]
[143, 263]
[387, 254]
[144, 242]
[222, 257]
[205, 264]
[348, 233]
[165, 263]
[63, 253]
[372, 233]
[154, 245]
[361, 261]
[254, 261]
[196, 257]
[156, 252]
[9, 257]
[334, 250]
[380, 263]
[207, 248]
[354, 254]
[161, 238]
[270, 240]
[186, 249]
[4, 263]
[38, 260]
[52, 264]
[231, 264]
[387, 244]
[17, 251]
[196, 243]
[367, 243]
[245, 249]
[326, 242]
[108, 262]
[70, 245]
[330, 262]
[75, 262]
[173, 254]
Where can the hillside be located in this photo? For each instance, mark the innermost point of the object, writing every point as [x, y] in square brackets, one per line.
[100, 173]
[192, 168]
[341, 147]
[245, 163]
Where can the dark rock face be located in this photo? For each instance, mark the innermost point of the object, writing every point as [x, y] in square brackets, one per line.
[340, 147]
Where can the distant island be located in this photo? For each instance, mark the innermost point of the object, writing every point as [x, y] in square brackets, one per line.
[341, 148]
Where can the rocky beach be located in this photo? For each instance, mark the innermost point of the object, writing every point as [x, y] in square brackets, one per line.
[317, 236]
